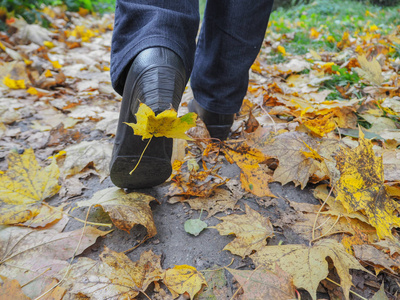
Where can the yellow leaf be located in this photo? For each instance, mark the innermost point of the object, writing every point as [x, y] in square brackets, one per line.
[254, 179]
[14, 84]
[281, 50]
[361, 187]
[184, 279]
[48, 73]
[251, 230]
[308, 265]
[48, 44]
[164, 124]
[373, 28]
[320, 126]
[56, 64]
[24, 186]
[370, 70]
[32, 91]
[11, 289]
[330, 39]
[125, 209]
[314, 34]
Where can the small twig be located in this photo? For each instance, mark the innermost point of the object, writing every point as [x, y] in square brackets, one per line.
[319, 211]
[354, 293]
[332, 233]
[273, 122]
[140, 243]
[72, 258]
[77, 219]
[327, 232]
[298, 294]
[36, 277]
[141, 156]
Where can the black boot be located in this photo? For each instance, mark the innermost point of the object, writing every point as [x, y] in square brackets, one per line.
[157, 78]
[218, 125]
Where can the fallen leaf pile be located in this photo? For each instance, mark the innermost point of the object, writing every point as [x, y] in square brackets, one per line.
[324, 119]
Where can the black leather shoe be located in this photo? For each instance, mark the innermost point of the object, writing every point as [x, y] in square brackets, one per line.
[157, 78]
[218, 125]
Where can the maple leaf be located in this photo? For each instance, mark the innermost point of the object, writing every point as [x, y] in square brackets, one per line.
[217, 287]
[184, 279]
[125, 209]
[24, 186]
[251, 230]
[361, 188]
[308, 265]
[25, 253]
[116, 276]
[392, 245]
[370, 70]
[321, 126]
[264, 284]
[164, 124]
[79, 156]
[254, 179]
[287, 147]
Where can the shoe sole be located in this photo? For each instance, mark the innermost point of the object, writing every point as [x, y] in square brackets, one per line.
[150, 172]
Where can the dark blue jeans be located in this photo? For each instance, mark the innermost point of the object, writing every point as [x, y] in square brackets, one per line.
[229, 41]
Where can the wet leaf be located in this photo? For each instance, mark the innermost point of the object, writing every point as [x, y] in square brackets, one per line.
[25, 253]
[370, 254]
[216, 285]
[125, 209]
[184, 279]
[251, 230]
[262, 283]
[308, 265]
[164, 124]
[360, 187]
[24, 186]
[195, 226]
[115, 276]
[79, 156]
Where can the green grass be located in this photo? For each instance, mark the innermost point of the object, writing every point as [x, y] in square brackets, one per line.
[330, 18]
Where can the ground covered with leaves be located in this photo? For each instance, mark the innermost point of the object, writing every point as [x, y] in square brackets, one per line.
[300, 202]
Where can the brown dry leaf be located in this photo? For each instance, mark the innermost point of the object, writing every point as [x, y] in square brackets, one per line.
[251, 230]
[198, 184]
[184, 279]
[254, 179]
[287, 148]
[25, 253]
[308, 265]
[11, 289]
[24, 186]
[370, 70]
[391, 165]
[125, 210]
[360, 187]
[392, 245]
[221, 201]
[79, 156]
[263, 284]
[115, 277]
[370, 254]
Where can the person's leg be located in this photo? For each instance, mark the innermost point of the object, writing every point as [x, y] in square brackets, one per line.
[142, 24]
[152, 56]
[229, 41]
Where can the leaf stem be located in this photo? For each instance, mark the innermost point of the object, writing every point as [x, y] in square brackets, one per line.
[141, 156]
[77, 219]
[319, 211]
[36, 277]
[354, 293]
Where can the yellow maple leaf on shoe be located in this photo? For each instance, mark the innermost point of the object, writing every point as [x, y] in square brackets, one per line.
[165, 124]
